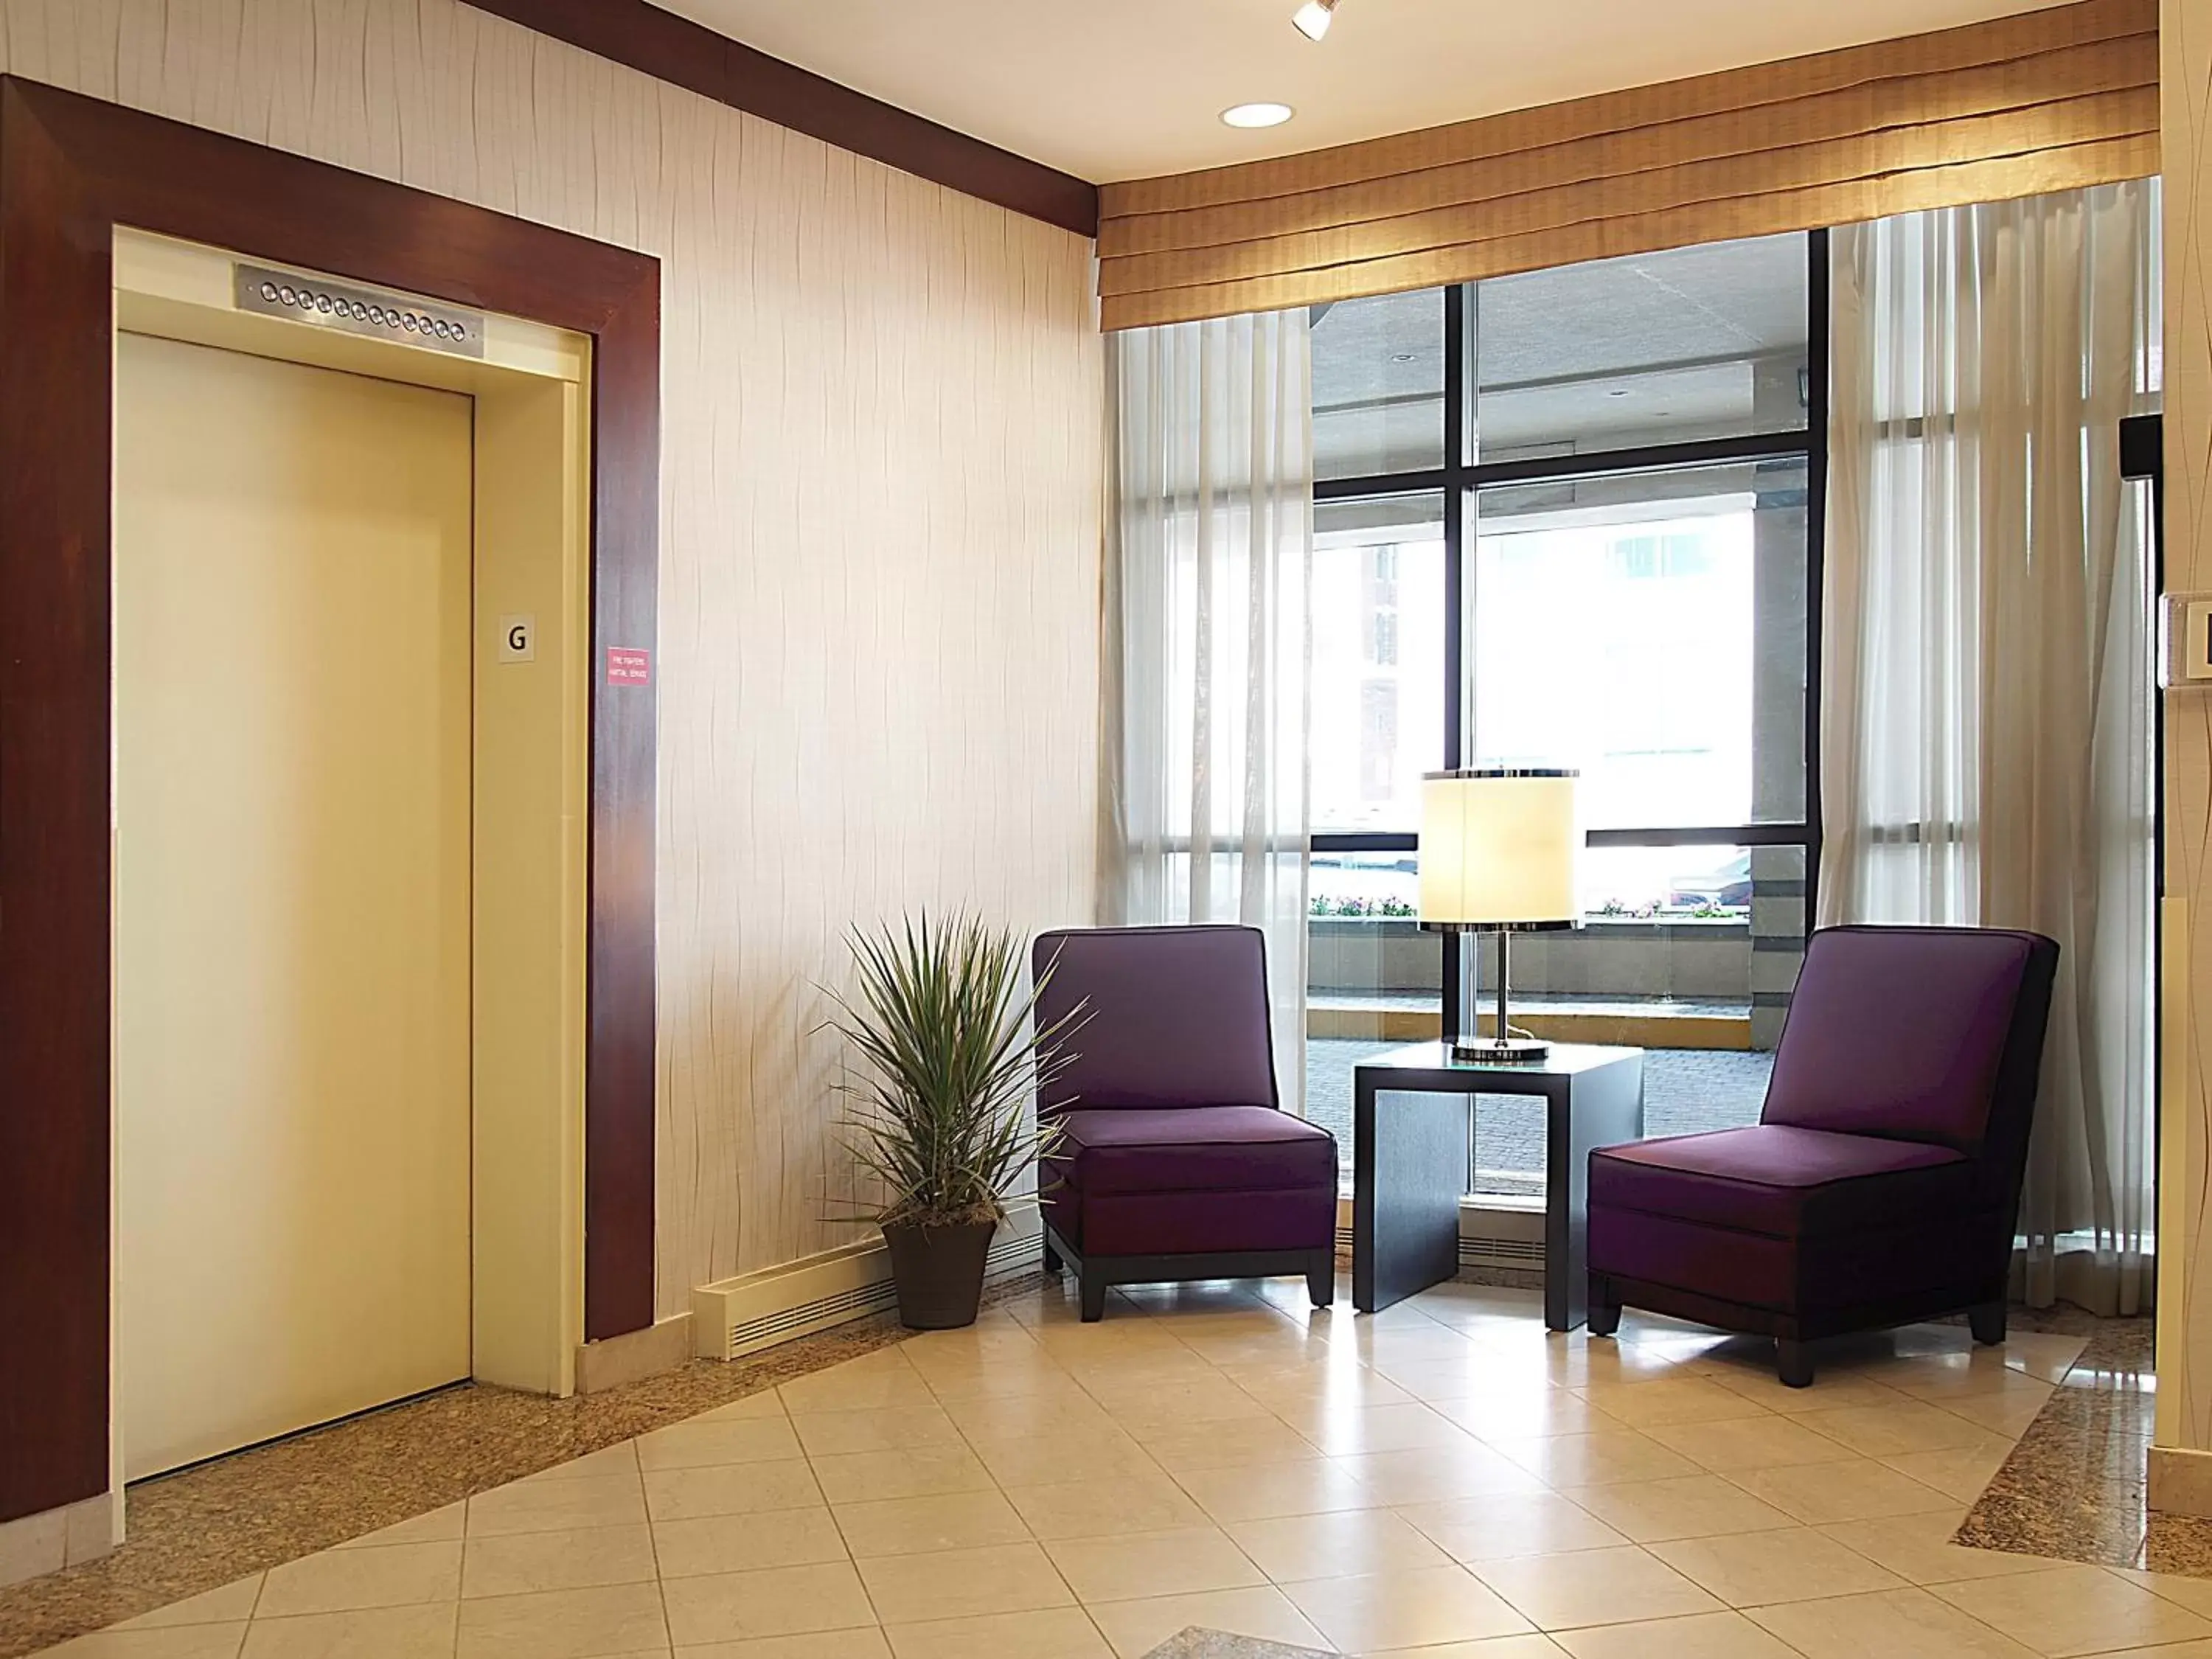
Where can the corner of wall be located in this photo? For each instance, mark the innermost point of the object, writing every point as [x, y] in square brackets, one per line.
[2181, 1454]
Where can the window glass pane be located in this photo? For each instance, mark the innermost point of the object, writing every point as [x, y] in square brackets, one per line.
[1663, 348]
[1378, 385]
[1649, 629]
[1378, 660]
[1374, 979]
[1688, 952]
[2150, 309]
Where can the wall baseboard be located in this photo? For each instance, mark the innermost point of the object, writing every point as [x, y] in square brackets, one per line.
[614, 1360]
[54, 1539]
[2180, 1481]
[737, 1316]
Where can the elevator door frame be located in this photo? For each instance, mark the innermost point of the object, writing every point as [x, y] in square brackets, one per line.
[73, 170]
[530, 773]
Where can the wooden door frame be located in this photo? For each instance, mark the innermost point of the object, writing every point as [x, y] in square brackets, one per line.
[72, 170]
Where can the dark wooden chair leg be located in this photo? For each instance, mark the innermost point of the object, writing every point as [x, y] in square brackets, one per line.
[1793, 1363]
[1093, 1290]
[1602, 1312]
[1052, 1262]
[1321, 1279]
[1987, 1321]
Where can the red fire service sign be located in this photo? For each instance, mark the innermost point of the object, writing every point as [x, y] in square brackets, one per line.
[628, 667]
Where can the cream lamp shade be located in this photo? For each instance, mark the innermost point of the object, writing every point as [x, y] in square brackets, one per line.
[1500, 849]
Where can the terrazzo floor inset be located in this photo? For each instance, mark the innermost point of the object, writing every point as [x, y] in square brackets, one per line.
[1195, 1644]
[2074, 1486]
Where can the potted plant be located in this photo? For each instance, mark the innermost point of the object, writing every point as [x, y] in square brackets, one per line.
[940, 1118]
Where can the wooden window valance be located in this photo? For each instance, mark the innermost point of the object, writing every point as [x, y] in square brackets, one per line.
[2046, 100]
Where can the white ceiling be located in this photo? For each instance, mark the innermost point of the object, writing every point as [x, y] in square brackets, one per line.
[1110, 89]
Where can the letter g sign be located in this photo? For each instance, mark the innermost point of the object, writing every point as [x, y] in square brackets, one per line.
[518, 638]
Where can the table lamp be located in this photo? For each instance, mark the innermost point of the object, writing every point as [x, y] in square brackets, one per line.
[1500, 851]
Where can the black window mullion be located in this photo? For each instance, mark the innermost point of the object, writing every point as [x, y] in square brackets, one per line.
[1643, 458]
[1455, 521]
[1455, 436]
[1365, 841]
[1381, 485]
[1802, 444]
[1737, 834]
[1816, 545]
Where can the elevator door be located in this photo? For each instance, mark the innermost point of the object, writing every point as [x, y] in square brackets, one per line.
[293, 730]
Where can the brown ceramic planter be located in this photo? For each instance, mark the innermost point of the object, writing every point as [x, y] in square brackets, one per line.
[939, 1272]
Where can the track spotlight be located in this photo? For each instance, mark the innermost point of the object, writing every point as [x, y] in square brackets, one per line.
[1312, 19]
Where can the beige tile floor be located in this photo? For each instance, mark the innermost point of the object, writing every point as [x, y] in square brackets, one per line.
[1444, 1480]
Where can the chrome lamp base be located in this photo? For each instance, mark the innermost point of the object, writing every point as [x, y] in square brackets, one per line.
[1489, 1051]
[1502, 1047]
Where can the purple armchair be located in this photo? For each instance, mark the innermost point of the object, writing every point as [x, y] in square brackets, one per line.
[1176, 1161]
[1882, 1183]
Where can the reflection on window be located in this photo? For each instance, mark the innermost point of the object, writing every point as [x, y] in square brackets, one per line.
[1385, 654]
[1656, 558]
[1378, 385]
[1378, 646]
[1378, 742]
[1655, 348]
[1649, 631]
[1666, 883]
[1359, 884]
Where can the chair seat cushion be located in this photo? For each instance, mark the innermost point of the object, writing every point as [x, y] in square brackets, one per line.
[1781, 1180]
[1193, 1149]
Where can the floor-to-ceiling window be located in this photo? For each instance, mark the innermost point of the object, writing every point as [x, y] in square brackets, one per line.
[1571, 518]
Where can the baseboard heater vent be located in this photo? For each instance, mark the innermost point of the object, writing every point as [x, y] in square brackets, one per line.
[1500, 1252]
[742, 1315]
[1488, 1237]
[1501, 1233]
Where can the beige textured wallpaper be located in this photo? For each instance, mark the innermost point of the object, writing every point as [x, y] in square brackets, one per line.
[2184, 1391]
[879, 520]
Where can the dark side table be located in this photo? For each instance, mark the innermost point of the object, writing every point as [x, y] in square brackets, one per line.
[1411, 1153]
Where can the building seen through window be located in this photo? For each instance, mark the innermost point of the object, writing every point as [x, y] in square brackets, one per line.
[1564, 518]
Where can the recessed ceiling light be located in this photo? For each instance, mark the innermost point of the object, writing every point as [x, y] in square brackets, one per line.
[1257, 115]
[1312, 19]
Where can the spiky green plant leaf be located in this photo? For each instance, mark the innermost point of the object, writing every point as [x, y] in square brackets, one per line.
[951, 1053]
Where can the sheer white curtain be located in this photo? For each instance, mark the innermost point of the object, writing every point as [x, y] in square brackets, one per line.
[1209, 577]
[1987, 747]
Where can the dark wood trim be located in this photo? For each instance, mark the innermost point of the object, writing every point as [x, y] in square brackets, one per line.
[686, 54]
[54, 848]
[620, 1075]
[71, 170]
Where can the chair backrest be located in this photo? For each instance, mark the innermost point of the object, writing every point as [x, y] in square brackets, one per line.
[1923, 1034]
[1177, 1017]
